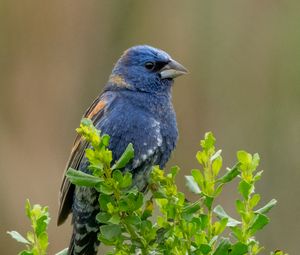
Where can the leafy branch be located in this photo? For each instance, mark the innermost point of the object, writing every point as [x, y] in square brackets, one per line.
[164, 221]
[36, 241]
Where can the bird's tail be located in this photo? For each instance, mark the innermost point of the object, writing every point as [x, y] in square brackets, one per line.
[84, 239]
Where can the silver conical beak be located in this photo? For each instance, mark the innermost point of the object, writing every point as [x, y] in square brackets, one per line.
[172, 70]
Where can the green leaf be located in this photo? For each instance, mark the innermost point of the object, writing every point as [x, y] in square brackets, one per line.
[115, 219]
[216, 165]
[188, 211]
[93, 158]
[174, 171]
[42, 223]
[267, 207]
[105, 140]
[218, 190]
[213, 240]
[237, 232]
[26, 253]
[103, 217]
[147, 230]
[148, 210]
[208, 201]
[36, 211]
[254, 200]
[111, 242]
[198, 177]
[255, 161]
[171, 211]
[139, 200]
[240, 206]
[159, 194]
[104, 200]
[200, 239]
[127, 180]
[89, 132]
[86, 122]
[219, 226]
[230, 175]
[30, 236]
[192, 207]
[259, 221]
[124, 181]
[111, 231]
[257, 176]
[111, 208]
[105, 188]
[244, 157]
[202, 157]
[28, 208]
[208, 142]
[82, 179]
[204, 248]
[278, 252]
[203, 221]
[192, 184]
[117, 176]
[17, 236]
[131, 202]
[133, 220]
[245, 189]
[220, 212]
[43, 241]
[223, 247]
[239, 249]
[63, 252]
[127, 155]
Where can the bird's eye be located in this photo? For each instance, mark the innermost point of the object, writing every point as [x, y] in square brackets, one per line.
[150, 65]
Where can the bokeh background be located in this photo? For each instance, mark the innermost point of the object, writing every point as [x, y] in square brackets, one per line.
[244, 85]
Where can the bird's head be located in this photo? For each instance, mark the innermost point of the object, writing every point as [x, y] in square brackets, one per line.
[144, 68]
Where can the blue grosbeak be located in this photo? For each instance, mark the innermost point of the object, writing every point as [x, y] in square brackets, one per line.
[135, 107]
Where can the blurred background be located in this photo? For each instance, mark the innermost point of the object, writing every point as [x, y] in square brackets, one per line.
[243, 84]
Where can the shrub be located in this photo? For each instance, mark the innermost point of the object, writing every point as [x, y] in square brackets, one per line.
[180, 226]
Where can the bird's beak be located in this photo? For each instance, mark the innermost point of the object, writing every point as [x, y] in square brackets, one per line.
[172, 70]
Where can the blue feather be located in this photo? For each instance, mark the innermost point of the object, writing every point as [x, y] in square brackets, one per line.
[135, 107]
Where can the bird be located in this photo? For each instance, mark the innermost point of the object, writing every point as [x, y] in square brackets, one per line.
[135, 107]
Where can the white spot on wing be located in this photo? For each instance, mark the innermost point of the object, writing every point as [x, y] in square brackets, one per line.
[155, 123]
[135, 163]
[156, 142]
[78, 249]
[91, 229]
[159, 140]
[150, 152]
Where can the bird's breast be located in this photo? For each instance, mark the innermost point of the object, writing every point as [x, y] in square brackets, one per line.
[146, 121]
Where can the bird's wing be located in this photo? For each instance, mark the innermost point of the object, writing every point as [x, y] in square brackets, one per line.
[95, 112]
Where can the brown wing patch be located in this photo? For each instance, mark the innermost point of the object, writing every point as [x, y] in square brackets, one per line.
[119, 81]
[98, 107]
[77, 142]
[94, 112]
